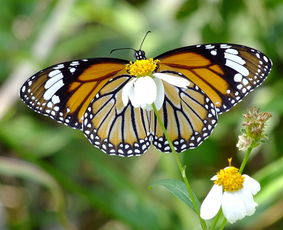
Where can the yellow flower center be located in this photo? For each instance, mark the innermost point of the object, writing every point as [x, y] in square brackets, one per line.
[142, 68]
[230, 179]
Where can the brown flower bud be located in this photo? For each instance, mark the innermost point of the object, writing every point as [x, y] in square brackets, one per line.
[254, 124]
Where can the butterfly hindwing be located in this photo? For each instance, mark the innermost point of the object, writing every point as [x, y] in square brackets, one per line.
[225, 72]
[64, 91]
[189, 117]
[114, 128]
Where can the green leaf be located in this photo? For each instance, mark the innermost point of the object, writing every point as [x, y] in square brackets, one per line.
[271, 180]
[176, 188]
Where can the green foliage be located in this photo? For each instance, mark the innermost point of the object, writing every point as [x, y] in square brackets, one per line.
[176, 188]
[103, 192]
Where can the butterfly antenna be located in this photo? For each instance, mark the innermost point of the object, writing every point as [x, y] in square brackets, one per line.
[121, 49]
[144, 38]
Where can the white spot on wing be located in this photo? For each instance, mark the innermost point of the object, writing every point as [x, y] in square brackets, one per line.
[238, 77]
[52, 90]
[232, 51]
[235, 58]
[53, 73]
[224, 46]
[213, 52]
[245, 81]
[53, 79]
[49, 104]
[72, 70]
[209, 46]
[60, 66]
[239, 68]
[55, 99]
[74, 63]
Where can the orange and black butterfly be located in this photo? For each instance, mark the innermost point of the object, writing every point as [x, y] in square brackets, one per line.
[86, 94]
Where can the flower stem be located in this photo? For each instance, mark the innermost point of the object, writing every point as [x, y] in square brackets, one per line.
[223, 224]
[181, 168]
[192, 195]
[246, 157]
[213, 225]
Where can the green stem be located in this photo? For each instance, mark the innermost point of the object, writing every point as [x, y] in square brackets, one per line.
[213, 225]
[223, 224]
[192, 196]
[246, 157]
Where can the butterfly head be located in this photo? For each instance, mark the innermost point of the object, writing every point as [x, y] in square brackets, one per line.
[140, 55]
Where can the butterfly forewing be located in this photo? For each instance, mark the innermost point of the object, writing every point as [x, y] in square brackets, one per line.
[64, 91]
[225, 72]
[114, 128]
[189, 117]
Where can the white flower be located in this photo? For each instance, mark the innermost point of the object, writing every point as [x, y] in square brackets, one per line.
[144, 91]
[232, 192]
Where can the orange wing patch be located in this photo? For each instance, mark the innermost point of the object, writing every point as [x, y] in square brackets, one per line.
[200, 70]
[81, 97]
[217, 69]
[89, 83]
[212, 79]
[64, 91]
[206, 74]
[100, 71]
[186, 59]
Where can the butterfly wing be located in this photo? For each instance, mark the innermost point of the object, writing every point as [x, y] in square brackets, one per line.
[188, 115]
[114, 128]
[225, 72]
[64, 91]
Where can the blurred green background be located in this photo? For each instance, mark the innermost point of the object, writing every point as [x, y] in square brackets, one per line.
[51, 177]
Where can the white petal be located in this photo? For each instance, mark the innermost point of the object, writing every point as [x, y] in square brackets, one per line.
[233, 207]
[144, 91]
[211, 204]
[173, 80]
[132, 97]
[126, 91]
[251, 184]
[214, 177]
[160, 93]
[248, 201]
[147, 107]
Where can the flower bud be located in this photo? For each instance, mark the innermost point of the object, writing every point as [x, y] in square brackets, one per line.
[253, 132]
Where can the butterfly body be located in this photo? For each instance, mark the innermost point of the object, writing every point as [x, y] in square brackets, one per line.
[88, 94]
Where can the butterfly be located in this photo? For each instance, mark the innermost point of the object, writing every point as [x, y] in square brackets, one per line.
[88, 95]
